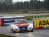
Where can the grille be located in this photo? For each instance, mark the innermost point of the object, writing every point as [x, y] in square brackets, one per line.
[25, 28]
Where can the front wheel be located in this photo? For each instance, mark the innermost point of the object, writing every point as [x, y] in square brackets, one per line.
[32, 30]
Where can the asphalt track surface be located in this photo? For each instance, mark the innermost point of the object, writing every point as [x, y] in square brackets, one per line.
[36, 33]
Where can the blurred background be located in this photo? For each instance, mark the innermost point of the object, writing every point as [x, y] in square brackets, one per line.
[23, 5]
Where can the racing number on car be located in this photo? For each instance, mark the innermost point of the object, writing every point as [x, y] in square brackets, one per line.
[44, 22]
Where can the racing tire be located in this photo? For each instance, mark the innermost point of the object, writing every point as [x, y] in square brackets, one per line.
[32, 30]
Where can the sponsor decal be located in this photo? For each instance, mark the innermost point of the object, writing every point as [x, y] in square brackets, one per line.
[42, 22]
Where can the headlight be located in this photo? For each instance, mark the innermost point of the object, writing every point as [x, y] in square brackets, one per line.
[30, 26]
[14, 26]
[17, 27]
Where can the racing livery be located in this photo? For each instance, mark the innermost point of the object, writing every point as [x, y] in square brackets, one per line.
[21, 25]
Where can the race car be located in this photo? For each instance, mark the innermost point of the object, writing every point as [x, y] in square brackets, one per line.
[21, 26]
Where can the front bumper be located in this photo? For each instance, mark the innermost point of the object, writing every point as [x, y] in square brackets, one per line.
[22, 29]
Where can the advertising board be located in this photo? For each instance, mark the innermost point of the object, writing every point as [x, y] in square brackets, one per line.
[41, 23]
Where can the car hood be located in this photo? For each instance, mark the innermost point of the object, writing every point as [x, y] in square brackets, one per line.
[25, 24]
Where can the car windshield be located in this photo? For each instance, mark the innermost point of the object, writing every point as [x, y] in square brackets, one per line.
[20, 22]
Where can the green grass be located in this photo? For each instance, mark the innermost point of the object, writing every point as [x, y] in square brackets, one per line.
[32, 17]
[26, 9]
[1, 35]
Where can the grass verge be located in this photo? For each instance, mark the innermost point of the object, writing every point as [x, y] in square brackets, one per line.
[1, 35]
[32, 17]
